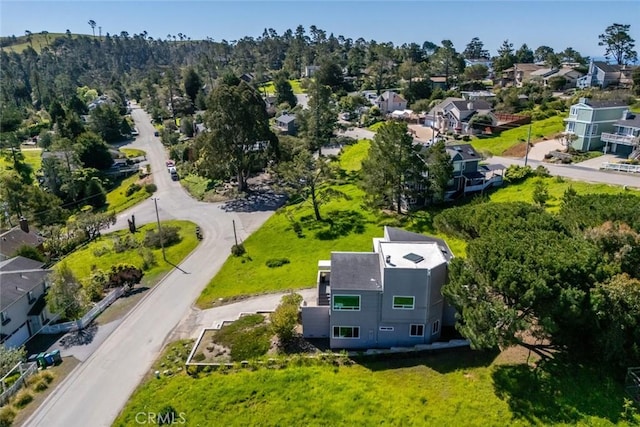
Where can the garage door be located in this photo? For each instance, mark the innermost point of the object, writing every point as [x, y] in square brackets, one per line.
[19, 337]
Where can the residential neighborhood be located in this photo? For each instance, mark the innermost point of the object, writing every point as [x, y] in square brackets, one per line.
[278, 220]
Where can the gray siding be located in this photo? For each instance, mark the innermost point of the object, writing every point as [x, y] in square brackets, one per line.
[366, 319]
[316, 322]
[18, 311]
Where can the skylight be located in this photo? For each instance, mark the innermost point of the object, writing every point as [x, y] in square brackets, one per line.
[413, 257]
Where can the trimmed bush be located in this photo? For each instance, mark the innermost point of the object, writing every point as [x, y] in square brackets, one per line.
[41, 385]
[277, 262]
[199, 356]
[150, 188]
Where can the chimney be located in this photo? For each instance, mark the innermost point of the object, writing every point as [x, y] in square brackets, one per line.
[388, 259]
[24, 225]
[625, 114]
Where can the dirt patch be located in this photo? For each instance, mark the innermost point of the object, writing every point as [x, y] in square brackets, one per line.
[518, 150]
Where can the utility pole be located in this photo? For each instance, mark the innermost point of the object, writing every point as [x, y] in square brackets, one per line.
[526, 154]
[164, 255]
[235, 236]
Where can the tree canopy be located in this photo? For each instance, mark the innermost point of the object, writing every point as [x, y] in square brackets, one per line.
[618, 44]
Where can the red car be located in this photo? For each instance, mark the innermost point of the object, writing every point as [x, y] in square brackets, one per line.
[170, 163]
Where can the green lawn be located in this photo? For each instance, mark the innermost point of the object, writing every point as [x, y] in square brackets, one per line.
[352, 155]
[346, 227]
[460, 387]
[523, 192]
[499, 144]
[374, 127]
[196, 185]
[32, 157]
[117, 199]
[270, 89]
[133, 152]
[82, 261]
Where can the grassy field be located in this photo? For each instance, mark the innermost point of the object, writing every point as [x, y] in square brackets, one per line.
[523, 192]
[352, 155]
[346, 227]
[461, 387]
[38, 41]
[32, 157]
[83, 261]
[133, 152]
[499, 144]
[117, 199]
[270, 89]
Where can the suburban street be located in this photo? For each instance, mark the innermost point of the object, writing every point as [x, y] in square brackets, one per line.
[95, 392]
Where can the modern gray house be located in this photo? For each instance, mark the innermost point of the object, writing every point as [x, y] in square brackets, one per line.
[386, 298]
[23, 311]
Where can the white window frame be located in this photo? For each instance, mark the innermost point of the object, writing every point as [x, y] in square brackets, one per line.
[353, 328]
[333, 303]
[418, 327]
[592, 129]
[574, 111]
[30, 297]
[386, 328]
[402, 306]
[435, 328]
[571, 127]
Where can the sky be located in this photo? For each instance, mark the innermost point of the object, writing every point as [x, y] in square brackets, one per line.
[558, 24]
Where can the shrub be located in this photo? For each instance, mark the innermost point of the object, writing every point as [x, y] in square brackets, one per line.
[150, 188]
[238, 250]
[101, 250]
[277, 262]
[7, 415]
[124, 275]
[170, 236]
[515, 173]
[125, 243]
[148, 258]
[199, 356]
[285, 317]
[41, 385]
[47, 376]
[133, 188]
[23, 398]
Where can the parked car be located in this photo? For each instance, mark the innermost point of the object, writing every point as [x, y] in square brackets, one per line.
[172, 170]
[174, 175]
[156, 133]
[170, 163]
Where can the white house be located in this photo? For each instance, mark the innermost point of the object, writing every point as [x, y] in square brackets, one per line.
[390, 101]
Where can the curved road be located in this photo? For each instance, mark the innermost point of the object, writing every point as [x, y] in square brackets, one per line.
[95, 392]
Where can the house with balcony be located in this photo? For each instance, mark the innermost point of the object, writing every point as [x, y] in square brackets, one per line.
[602, 74]
[23, 311]
[386, 298]
[455, 114]
[469, 176]
[624, 140]
[588, 120]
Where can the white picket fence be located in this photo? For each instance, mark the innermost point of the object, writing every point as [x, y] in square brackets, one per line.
[26, 370]
[87, 318]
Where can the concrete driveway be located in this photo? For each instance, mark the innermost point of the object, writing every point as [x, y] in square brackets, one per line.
[95, 392]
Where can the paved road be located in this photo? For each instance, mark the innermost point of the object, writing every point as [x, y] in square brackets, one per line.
[95, 391]
[574, 172]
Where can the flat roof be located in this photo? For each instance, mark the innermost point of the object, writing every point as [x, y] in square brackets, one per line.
[423, 255]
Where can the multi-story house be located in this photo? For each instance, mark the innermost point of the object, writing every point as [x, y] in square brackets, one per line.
[23, 309]
[390, 101]
[455, 114]
[589, 119]
[625, 138]
[603, 75]
[385, 298]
